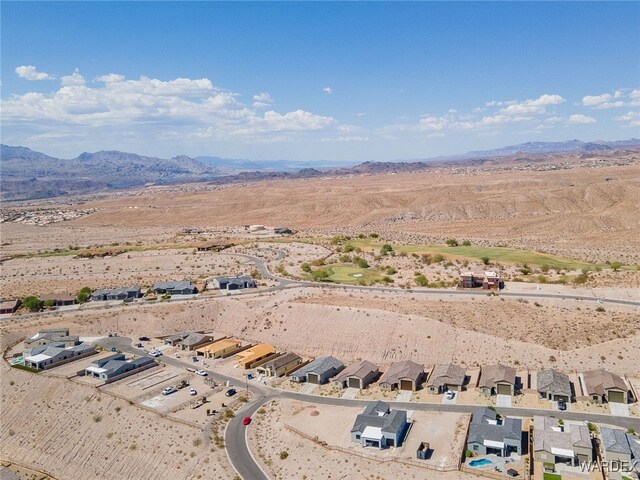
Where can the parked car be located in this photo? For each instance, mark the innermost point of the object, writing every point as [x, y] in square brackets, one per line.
[168, 390]
[114, 349]
[192, 391]
[202, 373]
[143, 339]
[450, 394]
[139, 345]
[194, 359]
[155, 353]
[562, 405]
[230, 393]
[246, 421]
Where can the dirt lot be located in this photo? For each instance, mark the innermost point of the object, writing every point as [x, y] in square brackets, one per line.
[269, 437]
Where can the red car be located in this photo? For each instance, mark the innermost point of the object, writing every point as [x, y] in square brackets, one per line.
[246, 421]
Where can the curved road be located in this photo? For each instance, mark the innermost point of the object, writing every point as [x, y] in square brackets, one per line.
[235, 433]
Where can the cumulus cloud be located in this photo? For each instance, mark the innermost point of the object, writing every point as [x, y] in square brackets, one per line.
[632, 119]
[328, 90]
[29, 72]
[579, 118]
[262, 100]
[110, 78]
[74, 79]
[619, 98]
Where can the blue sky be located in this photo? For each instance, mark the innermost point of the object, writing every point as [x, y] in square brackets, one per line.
[316, 81]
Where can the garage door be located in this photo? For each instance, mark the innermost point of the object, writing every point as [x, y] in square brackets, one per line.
[406, 385]
[616, 397]
[354, 383]
[313, 378]
[504, 390]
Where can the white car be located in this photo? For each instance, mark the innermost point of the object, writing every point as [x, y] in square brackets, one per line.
[168, 390]
[192, 391]
[202, 373]
[450, 394]
[155, 353]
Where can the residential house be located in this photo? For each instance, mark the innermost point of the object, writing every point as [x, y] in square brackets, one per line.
[554, 385]
[490, 434]
[282, 231]
[255, 355]
[212, 246]
[486, 280]
[195, 340]
[498, 380]
[446, 377]
[380, 427]
[52, 335]
[175, 288]
[281, 365]
[48, 356]
[319, 371]
[555, 444]
[104, 294]
[357, 375]
[8, 307]
[59, 299]
[603, 386]
[220, 348]
[234, 283]
[405, 375]
[108, 368]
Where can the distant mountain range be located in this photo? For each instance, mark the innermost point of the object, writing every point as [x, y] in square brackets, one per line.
[27, 174]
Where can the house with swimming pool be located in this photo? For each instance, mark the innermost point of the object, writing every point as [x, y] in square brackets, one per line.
[491, 434]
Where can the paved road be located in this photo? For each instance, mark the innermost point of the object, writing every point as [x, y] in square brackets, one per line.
[235, 434]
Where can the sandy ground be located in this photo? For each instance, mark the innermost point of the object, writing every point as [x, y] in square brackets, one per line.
[269, 437]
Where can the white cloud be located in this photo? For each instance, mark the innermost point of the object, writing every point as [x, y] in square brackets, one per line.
[635, 94]
[532, 106]
[29, 72]
[579, 118]
[619, 98]
[110, 78]
[593, 100]
[632, 119]
[328, 90]
[262, 100]
[74, 79]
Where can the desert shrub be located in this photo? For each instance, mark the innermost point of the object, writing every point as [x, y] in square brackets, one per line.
[485, 260]
[361, 262]
[615, 266]
[466, 243]
[422, 280]
[284, 454]
[452, 242]
[320, 274]
[386, 249]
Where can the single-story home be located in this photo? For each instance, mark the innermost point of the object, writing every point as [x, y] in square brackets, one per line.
[195, 340]
[490, 434]
[9, 306]
[554, 385]
[380, 427]
[52, 335]
[116, 365]
[487, 280]
[566, 444]
[446, 377]
[282, 231]
[497, 380]
[357, 375]
[405, 375]
[621, 452]
[234, 283]
[49, 356]
[184, 287]
[281, 365]
[319, 371]
[116, 293]
[175, 339]
[253, 356]
[212, 246]
[59, 299]
[220, 348]
[603, 386]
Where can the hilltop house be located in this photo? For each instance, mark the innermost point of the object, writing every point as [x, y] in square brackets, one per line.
[175, 288]
[405, 375]
[49, 356]
[486, 280]
[560, 444]
[50, 336]
[489, 434]
[497, 380]
[379, 426]
[108, 368]
[357, 375]
[104, 294]
[59, 299]
[234, 283]
[446, 377]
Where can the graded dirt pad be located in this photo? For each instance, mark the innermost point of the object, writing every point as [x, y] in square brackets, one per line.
[388, 327]
[584, 212]
[73, 431]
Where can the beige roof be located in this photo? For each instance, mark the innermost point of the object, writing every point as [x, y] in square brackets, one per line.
[447, 374]
[547, 435]
[358, 369]
[8, 304]
[497, 373]
[219, 345]
[599, 381]
[254, 353]
[402, 370]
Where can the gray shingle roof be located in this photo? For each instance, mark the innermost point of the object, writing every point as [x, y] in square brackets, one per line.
[615, 440]
[553, 381]
[358, 370]
[282, 360]
[497, 373]
[447, 374]
[378, 414]
[173, 285]
[480, 430]
[402, 370]
[320, 366]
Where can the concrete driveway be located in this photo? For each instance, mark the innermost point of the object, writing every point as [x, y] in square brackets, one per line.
[503, 401]
[446, 401]
[351, 393]
[404, 396]
[619, 409]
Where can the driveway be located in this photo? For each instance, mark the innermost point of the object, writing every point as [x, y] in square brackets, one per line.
[351, 393]
[503, 401]
[308, 388]
[619, 409]
[404, 396]
[446, 401]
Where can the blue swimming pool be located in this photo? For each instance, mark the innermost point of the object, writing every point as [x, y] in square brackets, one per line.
[481, 462]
